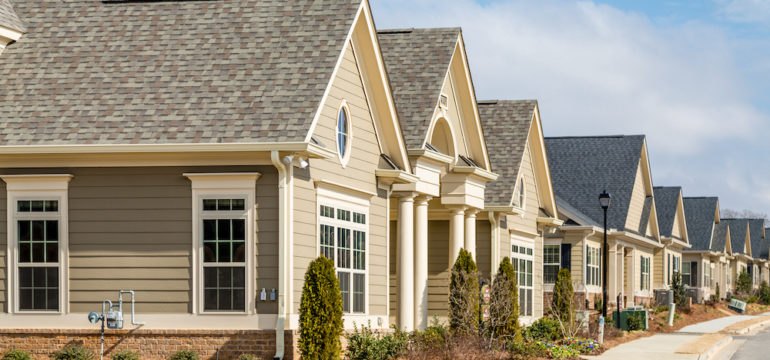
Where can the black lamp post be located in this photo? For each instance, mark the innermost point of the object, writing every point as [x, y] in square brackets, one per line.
[604, 201]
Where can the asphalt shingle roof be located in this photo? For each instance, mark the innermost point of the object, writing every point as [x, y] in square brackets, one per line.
[93, 72]
[417, 61]
[666, 200]
[583, 167]
[737, 234]
[9, 18]
[756, 228]
[719, 240]
[765, 253]
[700, 215]
[506, 125]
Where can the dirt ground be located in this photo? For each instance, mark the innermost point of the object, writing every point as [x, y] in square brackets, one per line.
[658, 323]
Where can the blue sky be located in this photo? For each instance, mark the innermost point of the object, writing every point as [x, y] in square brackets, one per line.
[694, 76]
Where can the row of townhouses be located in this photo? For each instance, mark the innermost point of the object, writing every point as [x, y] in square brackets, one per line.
[203, 153]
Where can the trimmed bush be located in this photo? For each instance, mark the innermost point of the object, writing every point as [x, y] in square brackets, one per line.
[544, 329]
[73, 352]
[464, 295]
[563, 302]
[680, 293]
[185, 355]
[366, 344]
[15, 354]
[744, 286]
[320, 312]
[764, 293]
[504, 303]
[124, 354]
[634, 323]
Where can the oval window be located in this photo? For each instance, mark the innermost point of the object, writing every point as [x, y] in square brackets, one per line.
[343, 132]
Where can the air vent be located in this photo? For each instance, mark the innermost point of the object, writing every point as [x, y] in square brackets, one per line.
[390, 162]
[315, 140]
[443, 101]
[468, 161]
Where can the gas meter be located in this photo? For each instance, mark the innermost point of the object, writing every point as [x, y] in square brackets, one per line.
[112, 315]
[114, 318]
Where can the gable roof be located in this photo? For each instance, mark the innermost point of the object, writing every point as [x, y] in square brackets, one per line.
[757, 234]
[765, 251]
[93, 72]
[9, 18]
[583, 167]
[506, 127]
[666, 201]
[417, 61]
[700, 214]
[719, 238]
[738, 228]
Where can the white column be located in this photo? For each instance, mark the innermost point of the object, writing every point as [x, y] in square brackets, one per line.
[421, 262]
[406, 262]
[470, 232]
[456, 233]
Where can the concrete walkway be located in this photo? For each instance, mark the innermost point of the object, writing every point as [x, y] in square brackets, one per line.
[697, 342]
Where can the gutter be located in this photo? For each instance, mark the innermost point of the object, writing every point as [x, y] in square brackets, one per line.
[285, 244]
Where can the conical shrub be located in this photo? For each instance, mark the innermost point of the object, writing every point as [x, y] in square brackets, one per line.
[464, 295]
[320, 312]
[504, 303]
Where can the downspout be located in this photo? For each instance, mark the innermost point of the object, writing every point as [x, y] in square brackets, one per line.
[284, 249]
[495, 238]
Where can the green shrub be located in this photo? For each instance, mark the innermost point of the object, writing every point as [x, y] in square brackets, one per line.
[680, 292]
[15, 354]
[504, 303]
[744, 285]
[525, 350]
[544, 329]
[366, 344]
[660, 309]
[634, 323]
[124, 354]
[249, 357]
[320, 312]
[764, 293]
[464, 295]
[185, 355]
[598, 302]
[73, 352]
[434, 336]
[751, 299]
[563, 301]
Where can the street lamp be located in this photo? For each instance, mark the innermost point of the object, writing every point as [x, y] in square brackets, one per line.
[604, 201]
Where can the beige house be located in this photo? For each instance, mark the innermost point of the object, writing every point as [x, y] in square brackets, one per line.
[581, 169]
[711, 251]
[740, 244]
[435, 216]
[758, 267]
[673, 231]
[520, 206]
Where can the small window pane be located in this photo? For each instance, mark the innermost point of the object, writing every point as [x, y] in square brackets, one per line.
[343, 248]
[51, 206]
[52, 230]
[24, 206]
[238, 204]
[359, 250]
[344, 279]
[239, 251]
[239, 229]
[209, 204]
[37, 206]
[223, 229]
[38, 230]
[327, 241]
[343, 215]
[223, 205]
[358, 293]
[38, 288]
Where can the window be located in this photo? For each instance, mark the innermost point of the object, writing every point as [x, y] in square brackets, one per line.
[37, 238]
[551, 263]
[707, 275]
[593, 259]
[645, 279]
[343, 133]
[521, 195]
[343, 238]
[223, 242]
[522, 257]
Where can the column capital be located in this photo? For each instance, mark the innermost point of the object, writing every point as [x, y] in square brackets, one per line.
[404, 195]
[471, 212]
[421, 199]
[456, 208]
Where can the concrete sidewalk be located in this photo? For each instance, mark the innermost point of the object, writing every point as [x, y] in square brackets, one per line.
[697, 342]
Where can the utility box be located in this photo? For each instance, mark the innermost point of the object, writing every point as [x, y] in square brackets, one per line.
[737, 306]
[664, 297]
[641, 314]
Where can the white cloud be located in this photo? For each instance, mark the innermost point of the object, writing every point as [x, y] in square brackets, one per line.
[597, 69]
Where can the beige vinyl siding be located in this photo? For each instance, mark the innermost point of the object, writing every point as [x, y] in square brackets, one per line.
[3, 248]
[358, 175]
[659, 270]
[483, 249]
[577, 258]
[675, 231]
[636, 205]
[131, 228]
[438, 268]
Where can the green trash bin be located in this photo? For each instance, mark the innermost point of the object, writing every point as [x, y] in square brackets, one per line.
[625, 314]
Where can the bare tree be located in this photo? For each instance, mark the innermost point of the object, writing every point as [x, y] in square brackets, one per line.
[745, 213]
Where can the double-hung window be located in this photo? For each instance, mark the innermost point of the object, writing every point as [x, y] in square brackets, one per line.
[224, 238]
[686, 274]
[645, 278]
[593, 261]
[37, 242]
[551, 263]
[343, 238]
[523, 258]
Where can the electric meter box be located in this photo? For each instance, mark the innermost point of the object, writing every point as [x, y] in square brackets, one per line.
[114, 319]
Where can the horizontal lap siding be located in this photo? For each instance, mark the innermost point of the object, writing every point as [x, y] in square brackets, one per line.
[3, 248]
[438, 268]
[131, 229]
[358, 174]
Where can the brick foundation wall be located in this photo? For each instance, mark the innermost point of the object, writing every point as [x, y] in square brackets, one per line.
[151, 344]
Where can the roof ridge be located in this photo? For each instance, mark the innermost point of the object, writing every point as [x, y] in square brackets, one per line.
[594, 136]
[413, 29]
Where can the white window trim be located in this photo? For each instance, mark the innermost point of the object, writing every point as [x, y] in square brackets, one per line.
[347, 201]
[37, 187]
[558, 261]
[599, 266]
[349, 141]
[529, 245]
[642, 284]
[207, 185]
[521, 192]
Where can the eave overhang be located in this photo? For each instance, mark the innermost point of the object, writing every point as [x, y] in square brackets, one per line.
[396, 176]
[476, 172]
